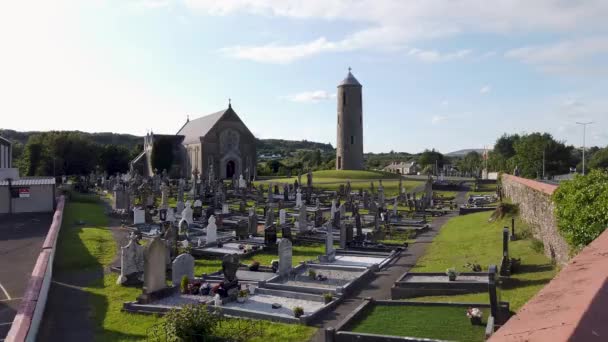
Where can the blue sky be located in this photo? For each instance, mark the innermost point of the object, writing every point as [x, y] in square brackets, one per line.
[435, 74]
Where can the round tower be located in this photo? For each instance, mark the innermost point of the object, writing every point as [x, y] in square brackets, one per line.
[349, 147]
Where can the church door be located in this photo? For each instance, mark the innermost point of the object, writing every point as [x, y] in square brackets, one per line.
[230, 169]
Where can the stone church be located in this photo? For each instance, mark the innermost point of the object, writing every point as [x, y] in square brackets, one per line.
[220, 142]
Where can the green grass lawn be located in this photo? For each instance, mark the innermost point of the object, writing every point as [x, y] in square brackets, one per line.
[91, 246]
[300, 253]
[445, 323]
[84, 246]
[345, 174]
[471, 238]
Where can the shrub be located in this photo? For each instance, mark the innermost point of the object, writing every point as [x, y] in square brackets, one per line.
[191, 323]
[504, 209]
[183, 286]
[581, 207]
[328, 297]
[298, 311]
[312, 274]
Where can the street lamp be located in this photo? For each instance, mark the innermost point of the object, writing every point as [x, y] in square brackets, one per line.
[584, 124]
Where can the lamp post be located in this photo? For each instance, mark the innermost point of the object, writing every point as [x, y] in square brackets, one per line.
[584, 124]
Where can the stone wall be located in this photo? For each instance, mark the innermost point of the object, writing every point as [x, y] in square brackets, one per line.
[537, 209]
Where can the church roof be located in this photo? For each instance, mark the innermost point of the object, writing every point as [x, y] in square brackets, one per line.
[193, 130]
[350, 80]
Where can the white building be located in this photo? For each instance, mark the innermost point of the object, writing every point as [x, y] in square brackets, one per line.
[403, 168]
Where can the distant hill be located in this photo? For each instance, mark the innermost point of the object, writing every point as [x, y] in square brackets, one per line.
[462, 153]
[264, 146]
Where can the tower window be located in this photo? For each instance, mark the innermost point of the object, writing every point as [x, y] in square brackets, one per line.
[352, 139]
[339, 163]
[343, 99]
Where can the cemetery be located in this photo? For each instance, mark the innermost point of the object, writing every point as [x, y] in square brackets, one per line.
[290, 254]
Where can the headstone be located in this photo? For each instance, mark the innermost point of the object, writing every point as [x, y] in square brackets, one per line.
[299, 198]
[139, 216]
[170, 215]
[270, 236]
[131, 263]
[183, 265]
[358, 224]
[164, 199]
[225, 208]
[155, 256]
[230, 264]
[492, 291]
[282, 216]
[302, 222]
[342, 210]
[286, 232]
[242, 182]
[179, 207]
[188, 213]
[285, 257]
[211, 230]
[253, 222]
[343, 236]
[333, 208]
[330, 253]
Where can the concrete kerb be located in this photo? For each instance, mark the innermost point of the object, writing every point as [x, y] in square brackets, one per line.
[29, 315]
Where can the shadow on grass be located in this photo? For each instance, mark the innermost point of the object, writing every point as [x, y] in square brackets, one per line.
[535, 268]
[512, 283]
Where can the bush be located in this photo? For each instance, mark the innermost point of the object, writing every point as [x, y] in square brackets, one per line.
[298, 311]
[581, 208]
[191, 323]
[183, 286]
[504, 209]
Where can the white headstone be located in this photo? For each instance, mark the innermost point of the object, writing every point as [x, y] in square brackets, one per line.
[211, 230]
[131, 260]
[298, 198]
[179, 207]
[242, 182]
[139, 216]
[155, 258]
[285, 257]
[225, 208]
[198, 203]
[183, 265]
[333, 208]
[187, 213]
[282, 216]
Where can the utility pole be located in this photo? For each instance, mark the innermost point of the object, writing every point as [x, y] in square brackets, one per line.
[584, 124]
[543, 163]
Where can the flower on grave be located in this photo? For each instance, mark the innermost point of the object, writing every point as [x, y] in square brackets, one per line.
[474, 313]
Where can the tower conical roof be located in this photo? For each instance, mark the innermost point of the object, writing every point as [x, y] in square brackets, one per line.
[350, 80]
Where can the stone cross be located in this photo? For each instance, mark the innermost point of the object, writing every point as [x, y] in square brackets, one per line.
[285, 257]
[211, 230]
[183, 265]
[299, 198]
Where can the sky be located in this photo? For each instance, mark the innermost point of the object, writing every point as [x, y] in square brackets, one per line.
[437, 74]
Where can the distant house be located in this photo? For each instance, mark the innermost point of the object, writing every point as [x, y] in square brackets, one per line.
[403, 168]
[6, 153]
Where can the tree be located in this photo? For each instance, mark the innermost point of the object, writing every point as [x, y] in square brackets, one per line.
[599, 159]
[581, 207]
[528, 156]
[31, 161]
[505, 145]
[431, 157]
[113, 159]
[162, 154]
[471, 163]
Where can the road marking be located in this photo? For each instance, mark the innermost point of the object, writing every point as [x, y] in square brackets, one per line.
[7, 323]
[5, 292]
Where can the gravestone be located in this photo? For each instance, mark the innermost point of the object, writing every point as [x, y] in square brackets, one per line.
[286, 231]
[285, 192]
[155, 256]
[253, 222]
[230, 264]
[282, 217]
[343, 236]
[333, 208]
[349, 234]
[270, 237]
[179, 207]
[342, 210]
[187, 213]
[302, 222]
[139, 216]
[492, 291]
[318, 217]
[170, 215]
[225, 208]
[211, 230]
[285, 257]
[120, 199]
[183, 265]
[358, 224]
[131, 263]
[184, 227]
[242, 229]
[242, 182]
[299, 198]
[330, 253]
[505, 265]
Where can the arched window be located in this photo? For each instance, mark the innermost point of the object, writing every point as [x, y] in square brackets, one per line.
[343, 99]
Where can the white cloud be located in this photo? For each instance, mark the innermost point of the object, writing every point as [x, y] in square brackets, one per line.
[485, 89]
[394, 24]
[437, 119]
[311, 96]
[432, 56]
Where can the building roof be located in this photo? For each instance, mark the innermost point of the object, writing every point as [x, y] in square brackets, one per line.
[193, 130]
[350, 80]
[26, 181]
[5, 141]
